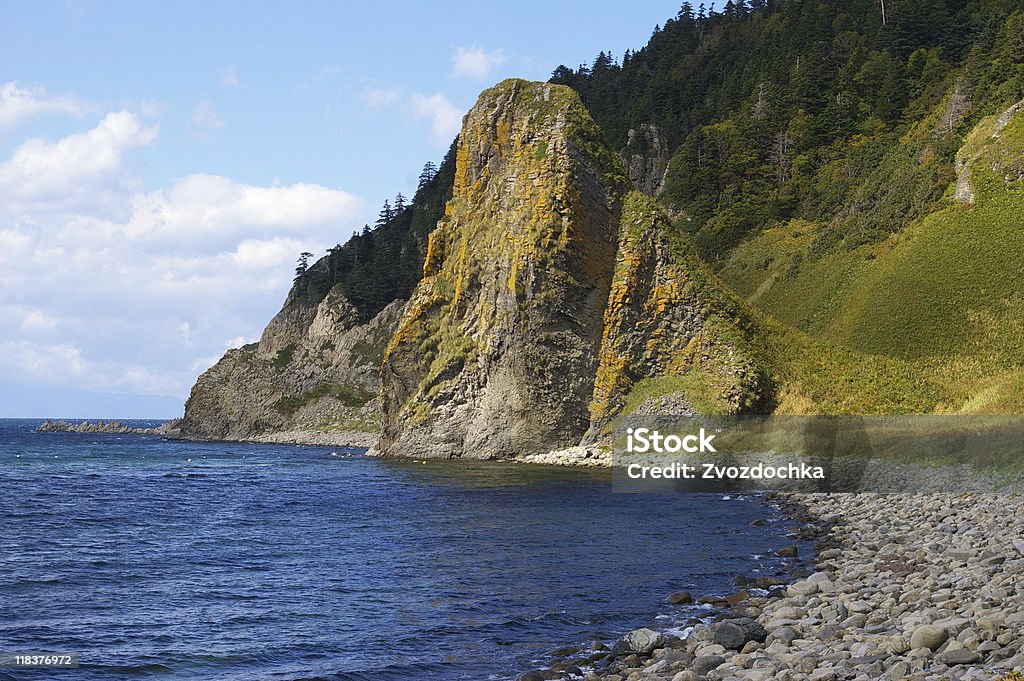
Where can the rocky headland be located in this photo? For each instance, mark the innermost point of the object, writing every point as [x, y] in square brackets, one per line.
[901, 587]
[556, 305]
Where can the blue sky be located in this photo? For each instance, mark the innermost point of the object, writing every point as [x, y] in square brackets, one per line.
[161, 165]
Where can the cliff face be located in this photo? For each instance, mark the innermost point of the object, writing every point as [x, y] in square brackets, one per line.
[497, 350]
[669, 316]
[314, 368]
[555, 306]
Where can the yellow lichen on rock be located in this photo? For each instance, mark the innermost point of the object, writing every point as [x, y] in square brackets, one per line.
[666, 316]
[507, 318]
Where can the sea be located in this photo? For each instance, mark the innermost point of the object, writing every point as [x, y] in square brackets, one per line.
[157, 559]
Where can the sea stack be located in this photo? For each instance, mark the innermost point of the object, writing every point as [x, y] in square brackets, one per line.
[497, 351]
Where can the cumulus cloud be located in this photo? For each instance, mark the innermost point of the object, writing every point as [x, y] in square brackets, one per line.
[445, 118]
[475, 62]
[107, 287]
[18, 104]
[211, 210]
[66, 364]
[62, 173]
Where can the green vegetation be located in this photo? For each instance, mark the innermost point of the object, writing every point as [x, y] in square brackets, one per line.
[809, 110]
[349, 395]
[702, 391]
[385, 262]
[944, 293]
[284, 356]
[819, 162]
[748, 362]
[816, 151]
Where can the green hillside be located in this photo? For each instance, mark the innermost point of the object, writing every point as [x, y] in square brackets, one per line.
[856, 182]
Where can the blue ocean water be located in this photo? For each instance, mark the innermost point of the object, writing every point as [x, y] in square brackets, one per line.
[217, 561]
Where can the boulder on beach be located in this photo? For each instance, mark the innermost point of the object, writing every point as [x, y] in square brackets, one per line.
[928, 636]
[960, 656]
[639, 642]
[705, 663]
[733, 634]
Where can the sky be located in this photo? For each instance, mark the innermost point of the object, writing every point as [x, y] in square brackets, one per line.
[162, 165]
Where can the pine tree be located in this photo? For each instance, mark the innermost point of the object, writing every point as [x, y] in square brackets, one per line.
[385, 215]
[429, 172]
[399, 203]
[303, 263]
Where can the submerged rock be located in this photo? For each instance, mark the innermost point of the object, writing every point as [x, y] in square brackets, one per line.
[680, 598]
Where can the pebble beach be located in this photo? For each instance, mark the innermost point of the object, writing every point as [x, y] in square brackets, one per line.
[911, 586]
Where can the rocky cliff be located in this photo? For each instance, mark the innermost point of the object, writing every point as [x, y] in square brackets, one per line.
[315, 368]
[497, 350]
[669, 316]
[555, 306]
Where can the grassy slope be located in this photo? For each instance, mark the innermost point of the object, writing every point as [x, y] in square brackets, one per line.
[805, 375]
[946, 294]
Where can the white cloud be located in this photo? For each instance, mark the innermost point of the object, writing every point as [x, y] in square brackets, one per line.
[38, 320]
[230, 76]
[66, 364]
[445, 118]
[206, 117]
[133, 290]
[211, 211]
[475, 62]
[77, 166]
[41, 362]
[149, 107]
[18, 104]
[378, 97]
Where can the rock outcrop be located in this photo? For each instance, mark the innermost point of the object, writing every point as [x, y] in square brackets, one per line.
[556, 308]
[106, 427]
[984, 145]
[646, 157]
[497, 351]
[315, 368]
[669, 316]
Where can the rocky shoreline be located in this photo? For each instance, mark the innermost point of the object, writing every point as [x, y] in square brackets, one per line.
[918, 587]
[110, 427]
